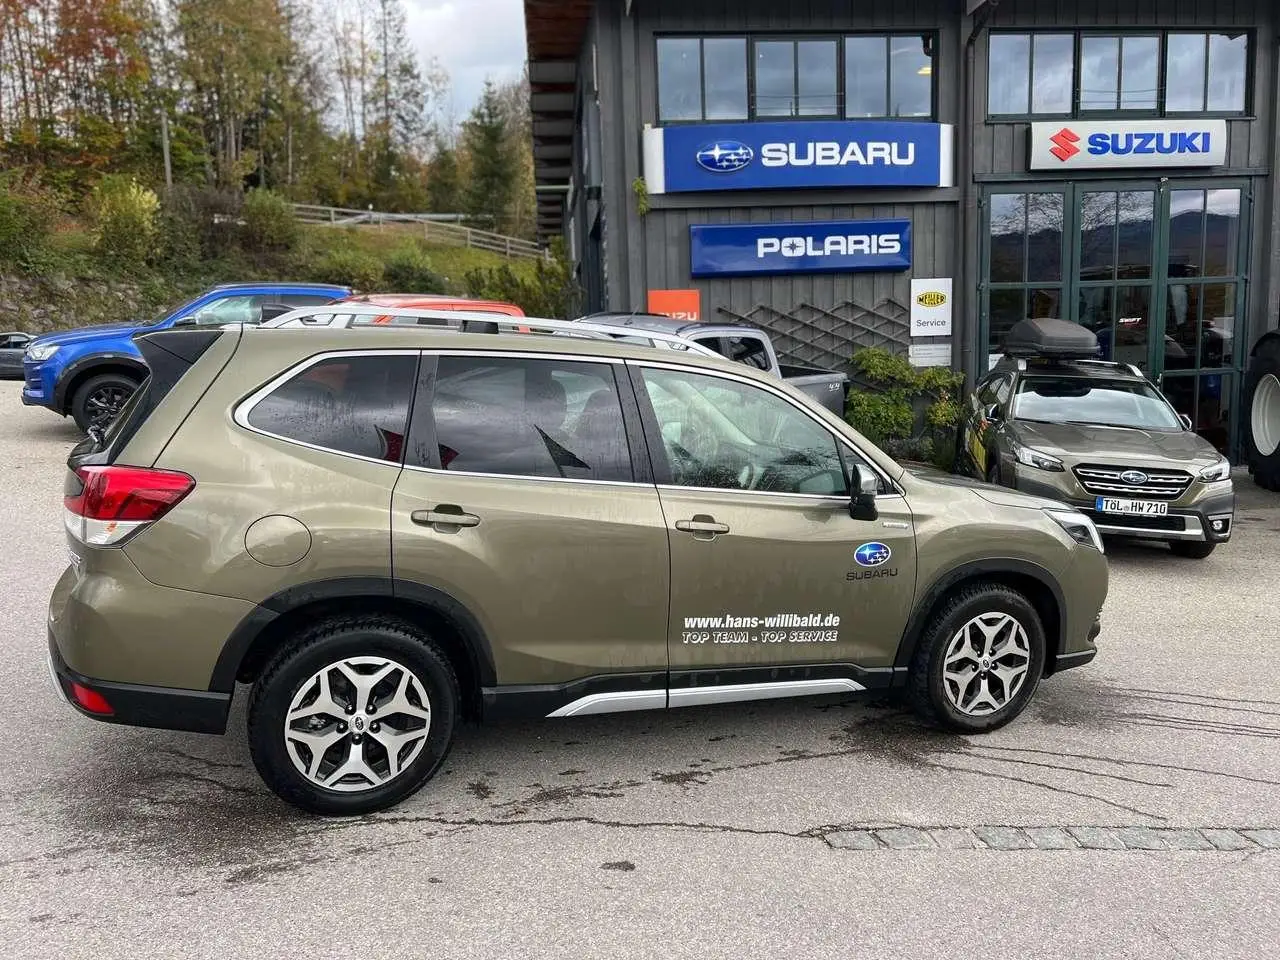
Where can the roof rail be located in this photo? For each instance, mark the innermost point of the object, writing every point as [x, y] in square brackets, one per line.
[345, 315]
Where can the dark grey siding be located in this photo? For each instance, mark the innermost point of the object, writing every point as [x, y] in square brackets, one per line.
[840, 308]
[652, 251]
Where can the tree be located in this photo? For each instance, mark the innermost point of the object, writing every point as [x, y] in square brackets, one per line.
[444, 182]
[488, 146]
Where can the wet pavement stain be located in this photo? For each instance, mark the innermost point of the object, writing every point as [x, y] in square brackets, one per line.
[624, 865]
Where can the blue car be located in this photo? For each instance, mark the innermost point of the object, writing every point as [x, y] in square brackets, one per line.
[90, 373]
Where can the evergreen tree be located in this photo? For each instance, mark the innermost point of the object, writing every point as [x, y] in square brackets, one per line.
[444, 186]
[492, 179]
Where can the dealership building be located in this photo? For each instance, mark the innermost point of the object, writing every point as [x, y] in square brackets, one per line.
[921, 174]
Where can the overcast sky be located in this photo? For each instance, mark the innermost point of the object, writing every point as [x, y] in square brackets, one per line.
[474, 39]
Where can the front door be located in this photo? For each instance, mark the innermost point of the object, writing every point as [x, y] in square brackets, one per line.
[772, 581]
[1155, 269]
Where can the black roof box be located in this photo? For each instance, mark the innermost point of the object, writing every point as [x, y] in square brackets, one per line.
[1051, 339]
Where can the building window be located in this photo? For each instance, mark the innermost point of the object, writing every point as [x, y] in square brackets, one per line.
[1090, 73]
[1026, 249]
[704, 79]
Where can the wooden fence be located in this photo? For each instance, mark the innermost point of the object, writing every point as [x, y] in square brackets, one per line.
[442, 228]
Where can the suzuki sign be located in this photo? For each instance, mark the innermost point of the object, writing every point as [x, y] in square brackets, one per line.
[1131, 144]
[831, 246]
[792, 155]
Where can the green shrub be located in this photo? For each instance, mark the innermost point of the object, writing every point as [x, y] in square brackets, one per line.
[550, 291]
[27, 213]
[269, 225]
[349, 267]
[126, 221]
[911, 413]
[199, 222]
[409, 270]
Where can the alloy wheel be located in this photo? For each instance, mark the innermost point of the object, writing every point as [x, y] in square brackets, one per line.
[986, 664]
[105, 404]
[357, 724]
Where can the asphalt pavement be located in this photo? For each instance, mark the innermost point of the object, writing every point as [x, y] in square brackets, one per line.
[1133, 811]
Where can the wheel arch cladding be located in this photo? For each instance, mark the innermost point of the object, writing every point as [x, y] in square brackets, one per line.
[442, 617]
[75, 375]
[1032, 581]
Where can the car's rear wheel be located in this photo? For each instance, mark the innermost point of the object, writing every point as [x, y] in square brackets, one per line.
[100, 399]
[979, 661]
[1191, 549]
[353, 716]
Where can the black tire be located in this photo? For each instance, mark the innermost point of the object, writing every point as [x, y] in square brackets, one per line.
[326, 643]
[1265, 363]
[926, 689]
[1191, 549]
[99, 399]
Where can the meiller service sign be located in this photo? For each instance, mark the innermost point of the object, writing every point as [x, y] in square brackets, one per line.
[1131, 144]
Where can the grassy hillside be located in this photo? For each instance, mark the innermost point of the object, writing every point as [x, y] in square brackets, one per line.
[70, 284]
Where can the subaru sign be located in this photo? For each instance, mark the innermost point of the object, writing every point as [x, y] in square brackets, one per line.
[781, 156]
[830, 246]
[1133, 144]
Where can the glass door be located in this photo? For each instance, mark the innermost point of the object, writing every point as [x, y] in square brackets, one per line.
[1154, 269]
[1202, 305]
[1113, 262]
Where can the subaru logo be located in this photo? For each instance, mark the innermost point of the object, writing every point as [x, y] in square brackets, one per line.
[1135, 478]
[725, 156]
[872, 554]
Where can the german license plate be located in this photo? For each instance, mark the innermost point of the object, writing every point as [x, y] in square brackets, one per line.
[1139, 508]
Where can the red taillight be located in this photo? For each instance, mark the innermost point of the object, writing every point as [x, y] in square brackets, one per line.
[128, 493]
[114, 501]
[90, 700]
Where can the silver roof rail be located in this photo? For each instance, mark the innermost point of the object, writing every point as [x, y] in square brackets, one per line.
[342, 316]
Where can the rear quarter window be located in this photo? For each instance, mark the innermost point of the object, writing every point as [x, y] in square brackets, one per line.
[355, 405]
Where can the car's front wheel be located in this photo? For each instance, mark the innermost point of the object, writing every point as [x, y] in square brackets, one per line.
[100, 399]
[980, 659]
[353, 716]
[1191, 549]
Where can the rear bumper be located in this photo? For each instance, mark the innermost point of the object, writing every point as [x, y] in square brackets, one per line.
[195, 711]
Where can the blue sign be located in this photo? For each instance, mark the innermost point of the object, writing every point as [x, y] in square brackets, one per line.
[789, 155]
[828, 246]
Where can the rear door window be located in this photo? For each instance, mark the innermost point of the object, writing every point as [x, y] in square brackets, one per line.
[530, 418]
[353, 404]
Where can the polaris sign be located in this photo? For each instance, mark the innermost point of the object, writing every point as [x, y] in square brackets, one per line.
[782, 156]
[1131, 144]
[832, 246]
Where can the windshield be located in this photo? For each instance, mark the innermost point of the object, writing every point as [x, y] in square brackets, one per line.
[1097, 402]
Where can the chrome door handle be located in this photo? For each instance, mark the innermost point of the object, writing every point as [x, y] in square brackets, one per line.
[702, 524]
[446, 518]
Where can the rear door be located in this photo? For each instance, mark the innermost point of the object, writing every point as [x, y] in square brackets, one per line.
[526, 499]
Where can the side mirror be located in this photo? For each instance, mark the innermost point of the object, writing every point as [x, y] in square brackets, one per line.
[1186, 421]
[992, 413]
[864, 487]
[185, 322]
[270, 311]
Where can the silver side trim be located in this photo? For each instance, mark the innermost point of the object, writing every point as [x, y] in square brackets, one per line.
[621, 701]
[736, 692]
[1193, 531]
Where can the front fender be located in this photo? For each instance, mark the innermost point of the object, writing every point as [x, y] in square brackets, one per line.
[73, 371]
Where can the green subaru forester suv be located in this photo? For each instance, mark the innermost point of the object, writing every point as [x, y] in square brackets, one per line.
[388, 530]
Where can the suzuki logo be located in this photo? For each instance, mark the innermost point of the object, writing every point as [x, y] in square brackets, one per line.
[1064, 144]
[725, 156]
